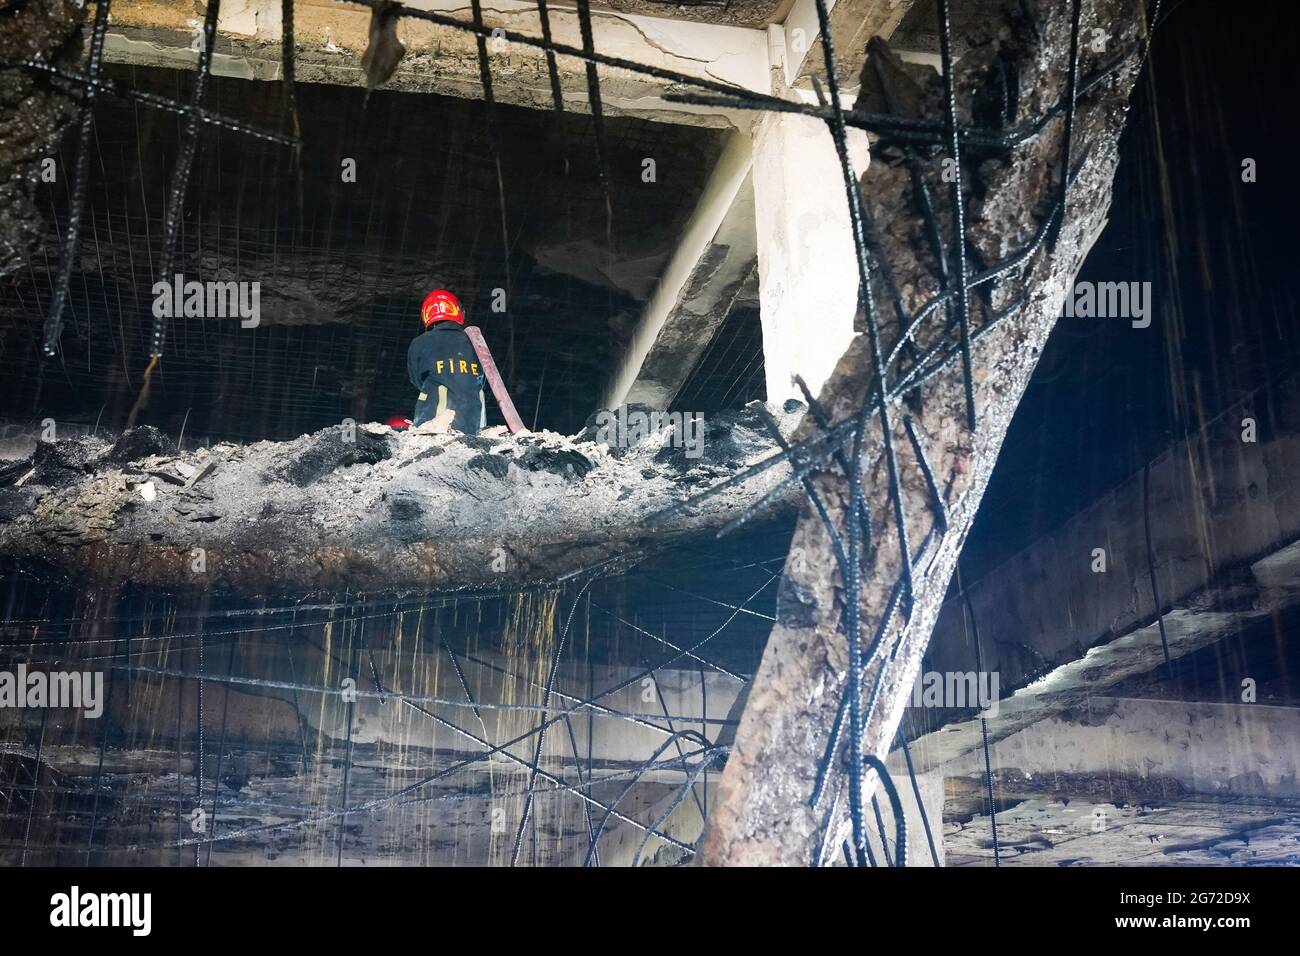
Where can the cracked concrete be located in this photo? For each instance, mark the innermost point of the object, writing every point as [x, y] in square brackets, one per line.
[330, 39]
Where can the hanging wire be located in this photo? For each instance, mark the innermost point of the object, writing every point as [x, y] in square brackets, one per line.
[852, 569]
[551, 675]
[959, 208]
[1071, 100]
[80, 176]
[184, 166]
[552, 68]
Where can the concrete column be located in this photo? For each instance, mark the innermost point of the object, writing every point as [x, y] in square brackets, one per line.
[808, 279]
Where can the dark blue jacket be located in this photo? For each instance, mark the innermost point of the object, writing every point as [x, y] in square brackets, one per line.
[443, 365]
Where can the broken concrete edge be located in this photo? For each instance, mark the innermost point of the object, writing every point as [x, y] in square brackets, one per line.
[365, 508]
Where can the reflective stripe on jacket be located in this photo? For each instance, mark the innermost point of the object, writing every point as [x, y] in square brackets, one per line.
[443, 365]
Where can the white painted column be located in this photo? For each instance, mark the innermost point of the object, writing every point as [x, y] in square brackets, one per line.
[808, 278]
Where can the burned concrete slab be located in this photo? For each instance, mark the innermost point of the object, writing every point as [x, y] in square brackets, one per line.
[387, 511]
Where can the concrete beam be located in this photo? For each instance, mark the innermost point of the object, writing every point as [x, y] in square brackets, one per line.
[1225, 529]
[1120, 781]
[1225, 750]
[1274, 586]
[615, 741]
[267, 748]
[331, 37]
[251, 715]
[1087, 829]
[716, 254]
[797, 35]
[853, 23]
[1218, 504]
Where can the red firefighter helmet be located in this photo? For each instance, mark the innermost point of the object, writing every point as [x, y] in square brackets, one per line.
[441, 306]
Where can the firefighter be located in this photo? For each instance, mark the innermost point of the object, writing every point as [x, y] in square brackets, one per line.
[444, 367]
